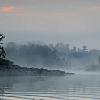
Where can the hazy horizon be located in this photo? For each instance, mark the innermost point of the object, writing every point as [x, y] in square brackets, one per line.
[50, 21]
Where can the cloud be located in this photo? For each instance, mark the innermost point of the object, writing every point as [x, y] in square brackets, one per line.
[7, 9]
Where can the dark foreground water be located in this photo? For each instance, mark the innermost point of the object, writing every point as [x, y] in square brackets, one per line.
[70, 87]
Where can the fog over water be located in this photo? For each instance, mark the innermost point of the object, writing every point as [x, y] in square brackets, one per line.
[50, 34]
[74, 39]
[77, 86]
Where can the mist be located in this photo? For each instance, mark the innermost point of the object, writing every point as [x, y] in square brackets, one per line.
[49, 50]
[52, 56]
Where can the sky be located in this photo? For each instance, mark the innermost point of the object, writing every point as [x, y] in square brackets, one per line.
[76, 22]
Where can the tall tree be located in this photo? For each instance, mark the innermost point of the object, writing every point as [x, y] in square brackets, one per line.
[2, 51]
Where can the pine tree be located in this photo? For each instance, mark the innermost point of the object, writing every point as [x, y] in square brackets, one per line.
[2, 51]
[3, 60]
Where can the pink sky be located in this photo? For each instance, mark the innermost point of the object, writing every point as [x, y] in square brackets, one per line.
[64, 18]
[7, 9]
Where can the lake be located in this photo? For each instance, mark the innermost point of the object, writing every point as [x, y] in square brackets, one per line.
[70, 87]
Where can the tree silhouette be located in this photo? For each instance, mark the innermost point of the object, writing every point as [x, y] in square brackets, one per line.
[3, 60]
[2, 51]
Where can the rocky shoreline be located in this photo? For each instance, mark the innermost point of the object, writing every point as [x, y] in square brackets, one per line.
[17, 70]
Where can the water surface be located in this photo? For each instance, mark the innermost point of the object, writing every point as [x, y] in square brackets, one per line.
[70, 87]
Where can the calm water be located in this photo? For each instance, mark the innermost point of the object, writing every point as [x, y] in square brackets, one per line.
[70, 87]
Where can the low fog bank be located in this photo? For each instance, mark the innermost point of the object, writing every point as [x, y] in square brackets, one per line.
[58, 56]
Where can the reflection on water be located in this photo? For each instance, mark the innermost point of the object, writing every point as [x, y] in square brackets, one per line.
[75, 86]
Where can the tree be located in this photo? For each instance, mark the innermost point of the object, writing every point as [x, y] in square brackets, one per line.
[2, 36]
[3, 61]
[2, 51]
[85, 48]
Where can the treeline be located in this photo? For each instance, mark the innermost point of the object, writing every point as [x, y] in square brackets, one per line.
[32, 54]
[59, 55]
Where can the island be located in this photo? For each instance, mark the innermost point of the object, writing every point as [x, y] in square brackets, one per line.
[8, 67]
